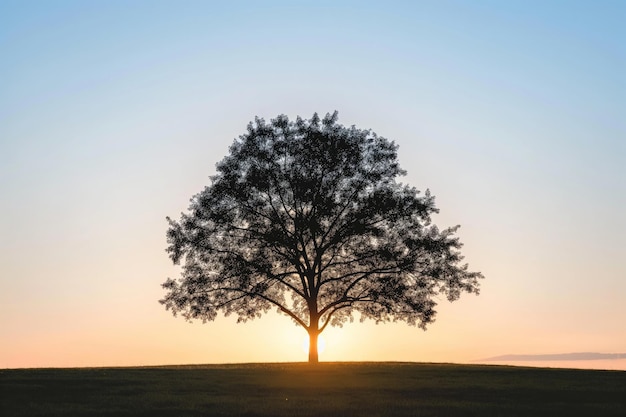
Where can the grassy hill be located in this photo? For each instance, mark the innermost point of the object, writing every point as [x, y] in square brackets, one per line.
[297, 389]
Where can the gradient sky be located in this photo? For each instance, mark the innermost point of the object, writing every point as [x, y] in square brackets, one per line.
[114, 113]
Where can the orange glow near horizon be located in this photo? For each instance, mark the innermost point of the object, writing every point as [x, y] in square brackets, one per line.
[112, 117]
[321, 344]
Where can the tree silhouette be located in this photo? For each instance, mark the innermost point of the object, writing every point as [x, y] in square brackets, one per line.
[307, 217]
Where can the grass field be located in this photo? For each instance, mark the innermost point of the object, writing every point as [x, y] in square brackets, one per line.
[329, 389]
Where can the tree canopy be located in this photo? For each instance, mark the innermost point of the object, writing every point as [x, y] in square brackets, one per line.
[308, 217]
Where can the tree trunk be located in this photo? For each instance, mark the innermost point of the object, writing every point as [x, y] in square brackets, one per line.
[313, 355]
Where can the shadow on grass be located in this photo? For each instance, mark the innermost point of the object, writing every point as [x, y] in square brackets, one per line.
[328, 389]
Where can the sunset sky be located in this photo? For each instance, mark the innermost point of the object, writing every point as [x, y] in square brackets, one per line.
[113, 115]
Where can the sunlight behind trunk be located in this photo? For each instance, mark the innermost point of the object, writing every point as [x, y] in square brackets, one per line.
[321, 344]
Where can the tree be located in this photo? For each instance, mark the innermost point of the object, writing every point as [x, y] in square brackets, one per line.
[307, 217]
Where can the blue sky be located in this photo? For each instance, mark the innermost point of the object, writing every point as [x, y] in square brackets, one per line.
[113, 114]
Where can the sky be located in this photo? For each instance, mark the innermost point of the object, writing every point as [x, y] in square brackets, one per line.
[113, 115]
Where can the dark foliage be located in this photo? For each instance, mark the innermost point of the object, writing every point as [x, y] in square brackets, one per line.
[307, 217]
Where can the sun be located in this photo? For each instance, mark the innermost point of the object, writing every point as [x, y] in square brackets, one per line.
[321, 344]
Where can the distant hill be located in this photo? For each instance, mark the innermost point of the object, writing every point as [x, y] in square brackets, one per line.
[579, 356]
